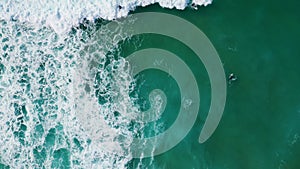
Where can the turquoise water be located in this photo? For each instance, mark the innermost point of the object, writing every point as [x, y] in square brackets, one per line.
[256, 40]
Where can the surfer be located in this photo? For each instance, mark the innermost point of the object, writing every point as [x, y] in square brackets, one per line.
[232, 77]
[120, 7]
[194, 6]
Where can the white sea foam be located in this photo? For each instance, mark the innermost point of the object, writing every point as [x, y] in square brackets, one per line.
[47, 83]
[61, 15]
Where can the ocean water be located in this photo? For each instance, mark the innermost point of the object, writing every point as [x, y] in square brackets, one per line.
[68, 98]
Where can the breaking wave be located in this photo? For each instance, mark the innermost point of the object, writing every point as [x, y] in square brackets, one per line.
[52, 73]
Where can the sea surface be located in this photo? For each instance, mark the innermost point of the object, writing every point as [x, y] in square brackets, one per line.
[68, 98]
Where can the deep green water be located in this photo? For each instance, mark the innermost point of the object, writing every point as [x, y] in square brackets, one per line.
[259, 42]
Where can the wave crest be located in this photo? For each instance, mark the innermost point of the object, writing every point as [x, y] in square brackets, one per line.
[62, 15]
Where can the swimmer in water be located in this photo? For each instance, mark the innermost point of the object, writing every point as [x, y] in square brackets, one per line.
[194, 6]
[232, 78]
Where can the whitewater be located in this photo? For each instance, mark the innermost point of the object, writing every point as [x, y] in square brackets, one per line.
[64, 14]
[54, 74]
